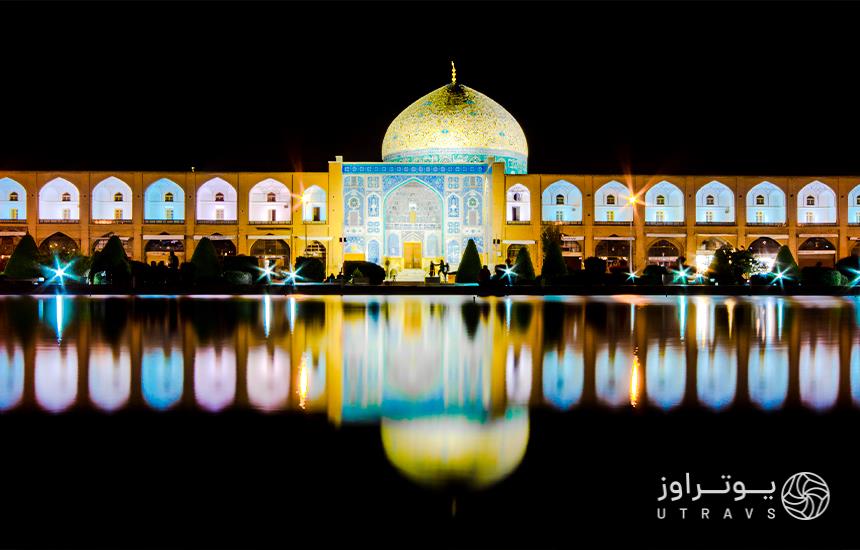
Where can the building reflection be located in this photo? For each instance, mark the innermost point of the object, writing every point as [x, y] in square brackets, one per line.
[768, 355]
[716, 357]
[11, 376]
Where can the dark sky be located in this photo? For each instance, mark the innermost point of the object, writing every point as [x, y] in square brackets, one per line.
[673, 87]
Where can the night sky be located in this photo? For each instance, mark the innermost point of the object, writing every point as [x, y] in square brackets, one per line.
[731, 88]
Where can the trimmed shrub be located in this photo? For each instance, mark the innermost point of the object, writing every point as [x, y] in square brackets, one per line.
[310, 269]
[470, 264]
[786, 265]
[375, 273]
[653, 275]
[24, 262]
[111, 264]
[248, 264]
[237, 278]
[523, 268]
[205, 261]
[762, 279]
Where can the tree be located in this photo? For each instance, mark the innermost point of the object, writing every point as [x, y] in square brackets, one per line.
[113, 261]
[24, 262]
[470, 264]
[785, 264]
[553, 261]
[523, 268]
[730, 266]
[205, 261]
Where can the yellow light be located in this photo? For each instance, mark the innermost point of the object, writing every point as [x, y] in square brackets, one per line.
[303, 383]
[635, 382]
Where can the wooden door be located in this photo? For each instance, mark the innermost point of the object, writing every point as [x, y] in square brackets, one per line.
[412, 255]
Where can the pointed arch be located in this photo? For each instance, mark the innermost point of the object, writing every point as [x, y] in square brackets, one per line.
[715, 203]
[53, 208]
[13, 200]
[816, 204]
[518, 204]
[216, 201]
[561, 201]
[314, 204]
[610, 203]
[60, 244]
[664, 203]
[270, 201]
[111, 201]
[765, 204]
[854, 206]
[163, 201]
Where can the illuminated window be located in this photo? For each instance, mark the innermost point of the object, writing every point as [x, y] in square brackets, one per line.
[759, 217]
[219, 197]
[117, 213]
[709, 216]
[809, 217]
[559, 199]
[13, 197]
[857, 201]
[709, 200]
[610, 199]
[515, 213]
[13, 214]
[168, 197]
[661, 216]
[67, 214]
[559, 216]
[610, 215]
[271, 197]
[67, 197]
[661, 200]
[219, 212]
[273, 215]
[759, 200]
[317, 215]
[168, 213]
[810, 201]
[117, 197]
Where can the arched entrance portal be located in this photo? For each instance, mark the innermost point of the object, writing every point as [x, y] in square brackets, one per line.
[765, 249]
[615, 252]
[663, 253]
[158, 250]
[816, 250]
[413, 225]
[272, 252]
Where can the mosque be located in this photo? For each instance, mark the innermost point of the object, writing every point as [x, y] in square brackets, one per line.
[454, 167]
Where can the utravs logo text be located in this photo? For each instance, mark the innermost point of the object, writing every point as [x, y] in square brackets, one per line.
[804, 496]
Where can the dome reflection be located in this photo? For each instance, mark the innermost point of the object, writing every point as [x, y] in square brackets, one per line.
[438, 450]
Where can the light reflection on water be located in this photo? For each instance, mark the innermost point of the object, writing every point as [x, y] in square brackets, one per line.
[449, 380]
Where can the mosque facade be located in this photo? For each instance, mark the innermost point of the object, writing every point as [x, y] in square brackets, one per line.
[454, 168]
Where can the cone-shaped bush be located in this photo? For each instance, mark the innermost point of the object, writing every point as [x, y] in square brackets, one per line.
[785, 264]
[523, 267]
[24, 262]
[205, 261]
[553, 262]
[113, 261]
[470, 264]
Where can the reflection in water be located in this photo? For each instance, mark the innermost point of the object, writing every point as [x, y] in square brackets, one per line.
[214, 377]
[162, 376]
[563, 377]
[450, 380]
[11, 376]
[450, 448]
[56, 376]
[110, 377]
[268, 377]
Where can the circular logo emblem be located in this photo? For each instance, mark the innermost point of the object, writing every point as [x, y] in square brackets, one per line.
[805, 495]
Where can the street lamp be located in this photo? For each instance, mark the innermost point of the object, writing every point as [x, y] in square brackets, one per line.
[632, 200]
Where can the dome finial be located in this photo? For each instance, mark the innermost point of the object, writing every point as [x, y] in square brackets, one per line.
[453, 73]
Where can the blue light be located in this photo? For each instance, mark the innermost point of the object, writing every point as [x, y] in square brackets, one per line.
[60, 272]
[266, 272]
